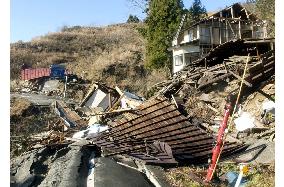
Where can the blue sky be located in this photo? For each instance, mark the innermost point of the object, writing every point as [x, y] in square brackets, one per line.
[31, 18]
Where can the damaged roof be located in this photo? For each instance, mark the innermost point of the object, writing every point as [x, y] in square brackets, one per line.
[240, 13]
[159, 134]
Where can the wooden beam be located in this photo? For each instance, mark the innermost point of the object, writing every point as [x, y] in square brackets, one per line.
[119, 90]
[232, 12]
[211, 36]
[174, 100]
[240, 33]
[109, 100]
[252, 31]
[117, 103]
[240, 78]
[115, 111]
[227, 33]
[247, 13]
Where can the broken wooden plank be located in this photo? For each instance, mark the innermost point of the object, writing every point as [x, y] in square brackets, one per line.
[240, 78]
[114, 111]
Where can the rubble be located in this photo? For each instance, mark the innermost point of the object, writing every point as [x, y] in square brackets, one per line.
[177, 126]
[100, 96]
[245, 121]
[90, 132]
[70, 117]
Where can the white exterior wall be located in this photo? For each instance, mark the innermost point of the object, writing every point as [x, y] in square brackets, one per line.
[174, 42]
[185, 37]
[180, 51]
[198, 36]
[98, 99]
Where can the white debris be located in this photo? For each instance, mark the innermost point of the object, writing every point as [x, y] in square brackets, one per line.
[91, 176]
[245, 121]
[50, 85]
[94, 120]
[268, 106]
[90, 131]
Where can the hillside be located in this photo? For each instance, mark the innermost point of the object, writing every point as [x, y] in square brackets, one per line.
[113, 54]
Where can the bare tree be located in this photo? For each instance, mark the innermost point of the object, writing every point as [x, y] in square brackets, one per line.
[140, 4]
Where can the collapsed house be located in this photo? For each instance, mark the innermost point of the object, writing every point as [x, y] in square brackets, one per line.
[194, 41]
[104, 97]
[100, 96]
[225, 54]
[176, 126]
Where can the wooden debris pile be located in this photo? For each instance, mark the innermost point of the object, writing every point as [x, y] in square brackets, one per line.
[70, 117]
[179, 123]
[203, 89]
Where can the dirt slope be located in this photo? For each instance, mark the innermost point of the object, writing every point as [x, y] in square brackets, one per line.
[113, 54]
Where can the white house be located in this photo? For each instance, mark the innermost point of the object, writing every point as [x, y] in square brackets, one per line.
[195, 41]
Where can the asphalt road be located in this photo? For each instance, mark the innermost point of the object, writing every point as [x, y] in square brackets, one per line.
[110, 174]
[39, 99]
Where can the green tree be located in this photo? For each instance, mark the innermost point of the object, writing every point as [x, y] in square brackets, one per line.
[133, 19]
[140, 4]
[196, 12]
[162, 21]
[266, 11]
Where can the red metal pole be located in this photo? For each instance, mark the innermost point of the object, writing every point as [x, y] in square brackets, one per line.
[216, 150]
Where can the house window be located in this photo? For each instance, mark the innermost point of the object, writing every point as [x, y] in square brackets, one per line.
[190, 57]
[190, 34]
[187, 58]
[178, 60]
[205, 35]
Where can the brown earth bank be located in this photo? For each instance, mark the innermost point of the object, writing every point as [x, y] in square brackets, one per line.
[113, 54]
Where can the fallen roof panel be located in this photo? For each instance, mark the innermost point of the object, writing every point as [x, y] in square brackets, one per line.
[159, 122]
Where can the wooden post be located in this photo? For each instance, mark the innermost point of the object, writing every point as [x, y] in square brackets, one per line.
[220, 32]
[109, 101]
[232, 12]
[65, 87]
[240, 33]
[227, 34]
[211, 36]
[271, 46]
[264, 31]
[252, 33]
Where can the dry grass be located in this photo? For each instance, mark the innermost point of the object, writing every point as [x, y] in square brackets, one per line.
[258, 175]
[178, 178]
[19, 107]
[25, 120]
[262, 176]
[113, 54]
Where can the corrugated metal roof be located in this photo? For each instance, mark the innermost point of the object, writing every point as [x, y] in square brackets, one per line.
[158, 122]
[30, 74]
